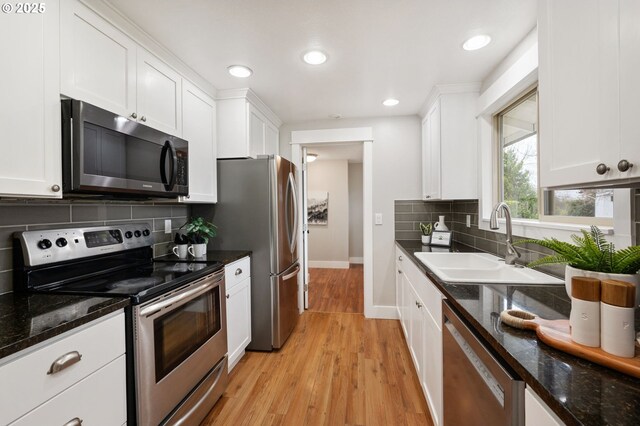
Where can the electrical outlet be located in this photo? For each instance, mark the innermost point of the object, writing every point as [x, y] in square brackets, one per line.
[167, 226]
[378, 218]
[468, 221]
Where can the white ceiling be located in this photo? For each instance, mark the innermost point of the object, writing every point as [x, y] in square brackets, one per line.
[377, 48]
[352, 152]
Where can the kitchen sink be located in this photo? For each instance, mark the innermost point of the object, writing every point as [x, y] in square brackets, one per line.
[481, 268]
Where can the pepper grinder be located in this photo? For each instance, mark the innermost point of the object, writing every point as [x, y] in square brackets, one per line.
[617, 318]
[585, 311]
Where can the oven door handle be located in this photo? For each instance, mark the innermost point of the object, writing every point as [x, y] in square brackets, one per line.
[185, 296]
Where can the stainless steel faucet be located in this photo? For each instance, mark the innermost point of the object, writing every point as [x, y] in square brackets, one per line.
[512, 254]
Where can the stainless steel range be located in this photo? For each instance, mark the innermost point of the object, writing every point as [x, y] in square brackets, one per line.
[177, 336]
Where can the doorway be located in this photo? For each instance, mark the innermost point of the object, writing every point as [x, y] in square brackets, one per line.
[324, 137]
[332, 186]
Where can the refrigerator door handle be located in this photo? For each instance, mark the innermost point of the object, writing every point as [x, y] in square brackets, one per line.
[293, 231]
[291, 275]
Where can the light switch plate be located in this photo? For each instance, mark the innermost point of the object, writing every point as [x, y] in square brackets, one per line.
[167, 226]
[378, 218]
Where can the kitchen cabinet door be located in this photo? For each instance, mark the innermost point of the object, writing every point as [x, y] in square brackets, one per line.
[199, 129]
[431, 378]
[98, 62]
[431, 154]
[537, 413]
[271, 139]
[256, 132]
[238, 321]
[416, 332]
[399, 259]
[579, 103]
[630, 86]
[406, 307]
[30, 164]
[159, 94]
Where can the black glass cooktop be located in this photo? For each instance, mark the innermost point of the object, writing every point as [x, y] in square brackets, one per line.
[140, 282]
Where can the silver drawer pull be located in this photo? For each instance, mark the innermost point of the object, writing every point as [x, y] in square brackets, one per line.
[76, 421]
[238, 271]
[66, 360]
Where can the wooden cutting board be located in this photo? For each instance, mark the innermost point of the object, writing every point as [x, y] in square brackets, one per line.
[557, 334]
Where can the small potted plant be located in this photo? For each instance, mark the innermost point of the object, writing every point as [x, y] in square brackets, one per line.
[426, 232]
[591, 255]
[199, 231]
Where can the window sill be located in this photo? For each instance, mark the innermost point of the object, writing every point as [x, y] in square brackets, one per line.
[538, 229]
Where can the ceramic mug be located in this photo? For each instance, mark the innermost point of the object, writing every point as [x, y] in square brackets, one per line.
[197, 250]
[181, 250]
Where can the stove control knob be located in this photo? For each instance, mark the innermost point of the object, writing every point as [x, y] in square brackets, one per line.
[61, 242]
[44, 244]
[137, 233]
[146, 232]
[128, 234]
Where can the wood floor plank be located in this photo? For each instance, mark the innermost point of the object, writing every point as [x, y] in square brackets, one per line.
[337, 368]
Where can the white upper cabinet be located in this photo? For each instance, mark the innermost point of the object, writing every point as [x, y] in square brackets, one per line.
[199, 128]
[449, 144]
[589, 91]
[103, 66]
[246, 126]
[30, 164]
[98, 62]
[159, 94]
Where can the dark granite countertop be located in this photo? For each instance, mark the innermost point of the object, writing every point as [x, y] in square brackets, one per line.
[223, 256]
[30, 318]
[578, 391]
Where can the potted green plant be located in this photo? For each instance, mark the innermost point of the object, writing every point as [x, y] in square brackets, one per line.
[426, 229]
[593, 256]
[199, 231]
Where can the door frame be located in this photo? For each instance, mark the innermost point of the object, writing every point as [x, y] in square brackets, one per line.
[364, 135]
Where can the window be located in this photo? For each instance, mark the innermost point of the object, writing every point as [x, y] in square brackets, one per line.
[518, 181]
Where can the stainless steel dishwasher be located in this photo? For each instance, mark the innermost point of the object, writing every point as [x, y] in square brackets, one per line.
[478, 390]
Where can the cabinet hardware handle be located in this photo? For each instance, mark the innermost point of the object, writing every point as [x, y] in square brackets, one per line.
[427, 196]
[419, 305]
[65, 361]
[134, 115]
[55, 188]
[399, 271]
[143, 118]
[624, 165]
[238, 271]
[400, 258]
[76, 421]
[227, 296]
[602, 168]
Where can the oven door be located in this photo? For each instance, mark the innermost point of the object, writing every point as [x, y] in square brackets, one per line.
[104, 152]
[179, 338]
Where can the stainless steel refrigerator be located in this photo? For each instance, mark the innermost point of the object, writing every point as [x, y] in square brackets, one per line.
[257, 210]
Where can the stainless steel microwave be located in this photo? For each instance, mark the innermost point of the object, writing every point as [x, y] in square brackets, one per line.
[107, 154]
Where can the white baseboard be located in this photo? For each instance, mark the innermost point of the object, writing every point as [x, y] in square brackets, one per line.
[382, 312]
[357, 260]
[333, 264]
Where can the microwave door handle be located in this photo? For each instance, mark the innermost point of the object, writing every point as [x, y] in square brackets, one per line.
[168, 183]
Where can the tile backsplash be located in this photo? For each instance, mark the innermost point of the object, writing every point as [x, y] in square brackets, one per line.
[40, 214]
[409, 214]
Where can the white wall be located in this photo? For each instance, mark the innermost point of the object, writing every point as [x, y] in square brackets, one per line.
[396, 175]
[329, 244]
[355, 213]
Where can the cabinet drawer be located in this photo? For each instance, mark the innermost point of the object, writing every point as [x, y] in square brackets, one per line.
[99, 399]
[237, 271]
[30, 385]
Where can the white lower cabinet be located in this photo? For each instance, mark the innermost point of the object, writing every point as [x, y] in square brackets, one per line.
[238, 281]
[419, 307]
[536, 412]
[78, 374]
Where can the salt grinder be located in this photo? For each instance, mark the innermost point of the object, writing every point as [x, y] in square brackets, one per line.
[617, 318]
[585, 311]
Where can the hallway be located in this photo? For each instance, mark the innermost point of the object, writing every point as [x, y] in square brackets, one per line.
[336, 290]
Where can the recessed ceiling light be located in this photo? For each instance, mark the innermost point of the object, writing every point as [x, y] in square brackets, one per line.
[315, 57]
[239, 71]
[311, 157]
[476, 42]
[390, 102]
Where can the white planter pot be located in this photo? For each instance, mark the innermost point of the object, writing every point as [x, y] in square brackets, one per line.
[575, 272]
[426, 239]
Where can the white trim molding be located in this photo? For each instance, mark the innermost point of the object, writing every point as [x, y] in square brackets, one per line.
[324, 136]
[329, 264]
[383, 312]
[249, 94]
[440, 89]
[356, 260]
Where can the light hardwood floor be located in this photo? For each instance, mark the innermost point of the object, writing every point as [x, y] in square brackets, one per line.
[336, 290]
[335, 369]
